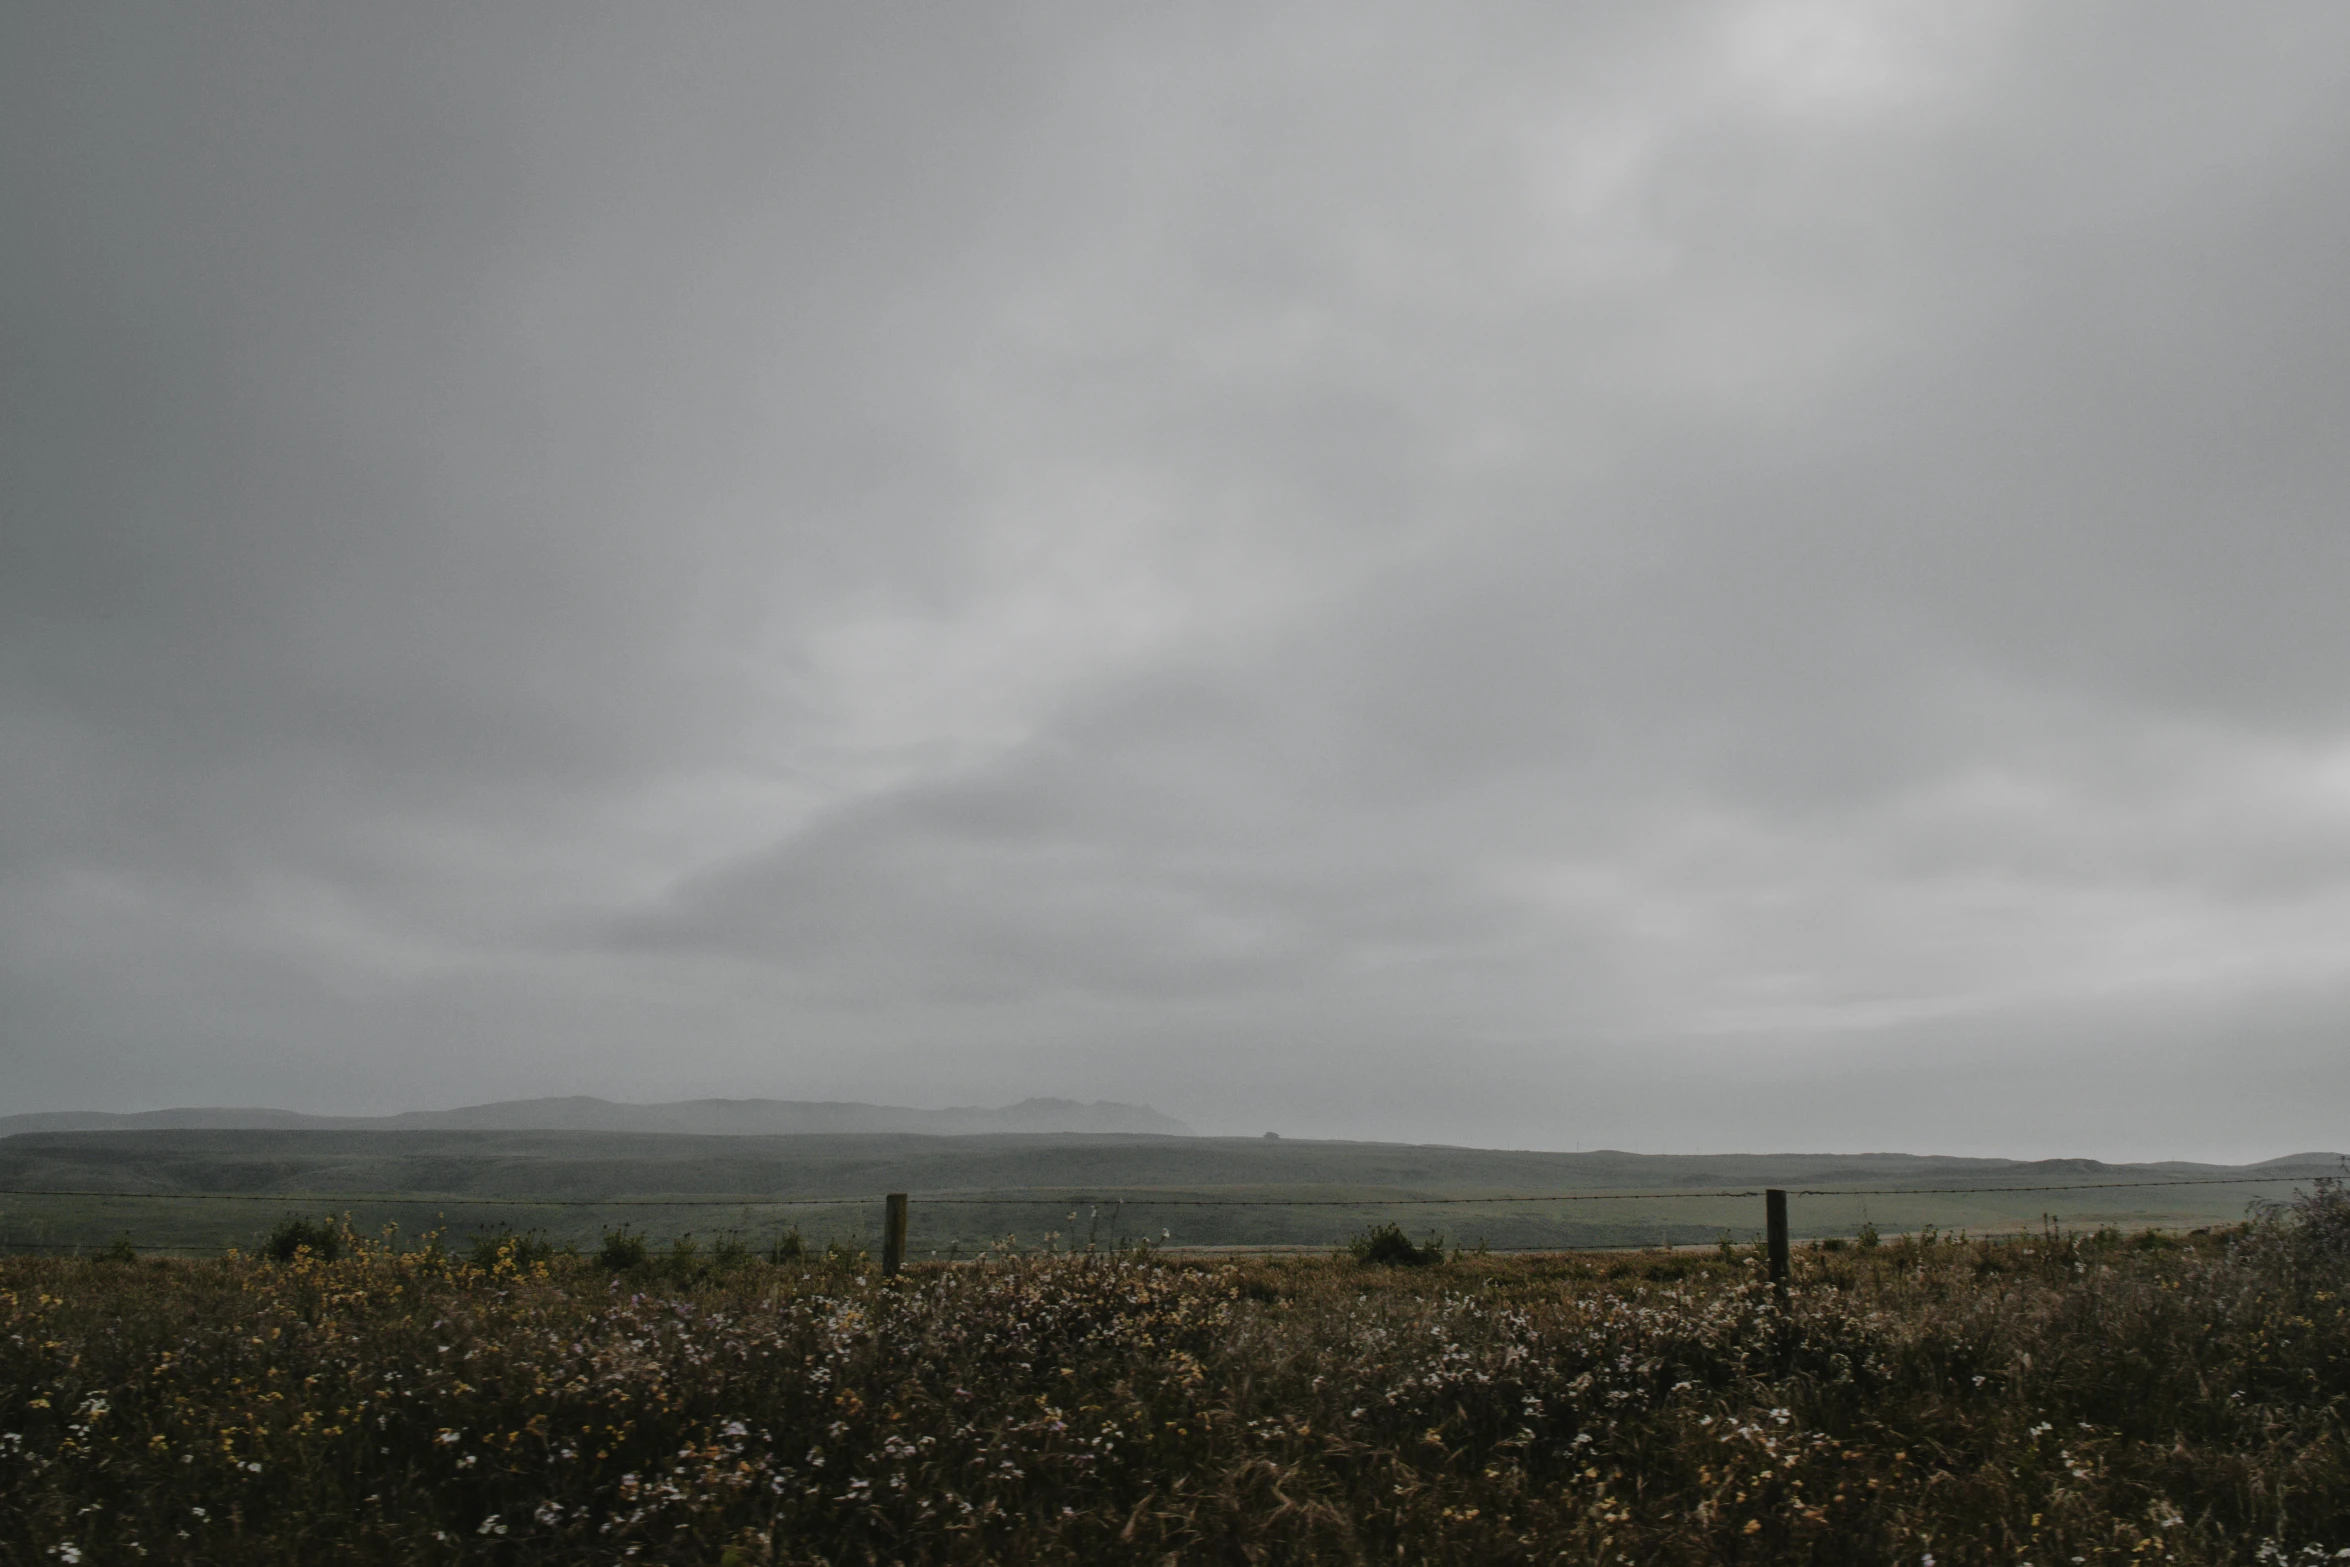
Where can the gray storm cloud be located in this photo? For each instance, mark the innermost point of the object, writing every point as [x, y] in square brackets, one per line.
[1751, 575]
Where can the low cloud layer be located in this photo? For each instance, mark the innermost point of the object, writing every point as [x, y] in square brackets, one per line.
[1751, 576]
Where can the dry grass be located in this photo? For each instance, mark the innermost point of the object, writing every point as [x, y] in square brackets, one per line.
[2049, 1400]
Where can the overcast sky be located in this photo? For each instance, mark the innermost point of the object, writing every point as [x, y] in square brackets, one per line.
[1671, 577]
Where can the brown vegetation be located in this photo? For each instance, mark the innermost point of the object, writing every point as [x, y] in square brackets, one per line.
[2050, 1399]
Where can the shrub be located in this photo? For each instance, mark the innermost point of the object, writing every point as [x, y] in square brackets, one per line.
[623, 1251]
[504, 1250]
[2307, 1239]
[2321, 1220]
[1387, 1246]
[322, 1239]
[788, 1247]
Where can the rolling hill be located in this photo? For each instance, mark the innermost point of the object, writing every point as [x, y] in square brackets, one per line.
[578, 1113]
[204, 1188]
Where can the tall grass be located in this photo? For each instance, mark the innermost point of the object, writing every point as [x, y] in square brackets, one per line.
[2053, 1400]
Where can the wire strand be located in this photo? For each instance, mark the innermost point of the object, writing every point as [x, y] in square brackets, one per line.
[459, 1202]
[2096, 1186]
[1031, 1197]
[1313, 1202]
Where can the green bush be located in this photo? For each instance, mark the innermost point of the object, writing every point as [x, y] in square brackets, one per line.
[623, 1251]
[1387, 1246]
[505, 1250]
[2307, 1238]
[2320, 1221]
[321, 1238]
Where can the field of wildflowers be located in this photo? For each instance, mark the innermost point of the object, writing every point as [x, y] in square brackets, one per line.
[2049, 1399]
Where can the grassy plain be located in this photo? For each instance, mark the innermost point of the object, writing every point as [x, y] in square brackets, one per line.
[2045, 1398]
[827, 1187]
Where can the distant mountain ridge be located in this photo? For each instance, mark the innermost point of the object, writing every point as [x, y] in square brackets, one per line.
[579, 1113]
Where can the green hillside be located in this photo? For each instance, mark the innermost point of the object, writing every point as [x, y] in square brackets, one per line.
[972, 1190]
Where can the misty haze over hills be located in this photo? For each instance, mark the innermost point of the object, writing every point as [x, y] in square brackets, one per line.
[580, 1113]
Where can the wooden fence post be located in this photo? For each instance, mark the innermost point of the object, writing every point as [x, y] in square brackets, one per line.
[893, 1234]
[1775, 1232]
